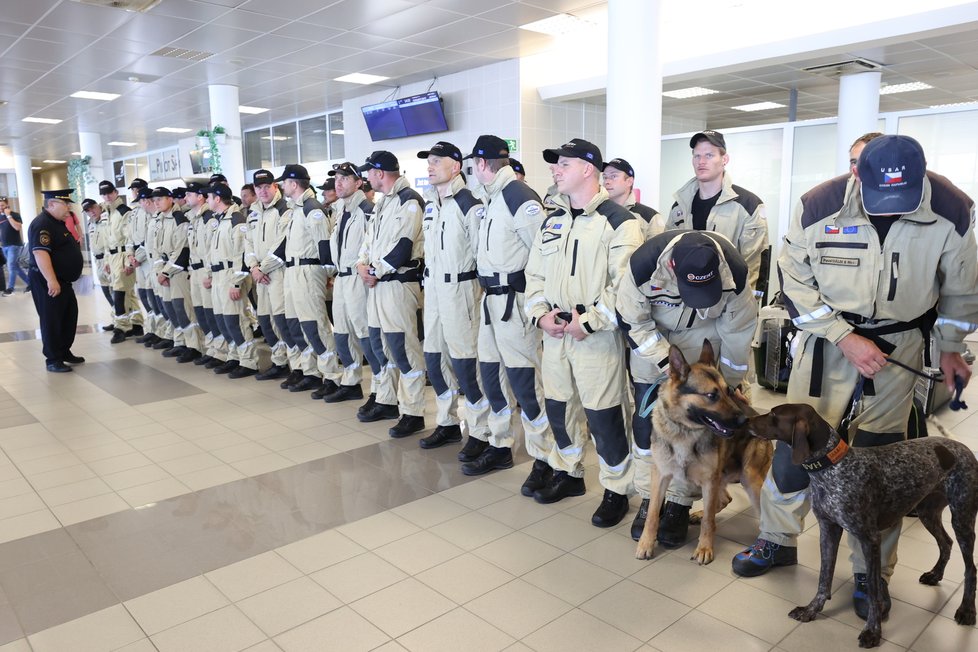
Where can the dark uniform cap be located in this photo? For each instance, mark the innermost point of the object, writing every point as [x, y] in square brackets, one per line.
[488, 146]
[262, 177]
[366, 186]
[236, 199]
[222, 191]
[576, 148]
[144, 193]
[696, 262]
[193, 186]
[162, 192]
[891, 175]
[105, 187]
[294, 171]
[138, 183]
[619, 164]
[713, 137]
[347, 169]
[63, 195]
[179, 193]
[216, 179]
[516, 165]
[443, 149]
[329, 185]
[381, 160]
[88, 203]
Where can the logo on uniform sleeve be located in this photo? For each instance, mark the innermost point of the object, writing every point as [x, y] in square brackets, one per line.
[44, 238]
[831, 230]
[532, 210]
[480, 212]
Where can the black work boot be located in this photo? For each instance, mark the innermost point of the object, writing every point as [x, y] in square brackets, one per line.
[162, 345]
[377, 412]
[213, 363]
[307, 383]
[562, 485]
[227, 367]
[540, 475]
[492, 459]
[189, 355]
[674, 525]
[860, 597]
[472, 450]
[294, 377]
[612, 509]
[324, 390]
[368, 404]
[118, 337]
[203, 360]
[408, 425]
[274, 372]
[638, 525]
[441, 436]
[344, 393]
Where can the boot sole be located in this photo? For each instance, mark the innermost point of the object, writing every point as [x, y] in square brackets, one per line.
[495, 467]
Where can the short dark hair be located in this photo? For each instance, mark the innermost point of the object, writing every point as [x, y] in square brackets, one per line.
[865, 138]
[303, 183]
[248, 186]
[495, 164]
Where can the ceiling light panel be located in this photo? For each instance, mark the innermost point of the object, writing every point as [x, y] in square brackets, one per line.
[904, 88]
[251, 110]
[95, 95]
[173, 130]
[43, 121]
[121, 143]
[360, 78]
[559, 25]
[686, 93]
[758, 106]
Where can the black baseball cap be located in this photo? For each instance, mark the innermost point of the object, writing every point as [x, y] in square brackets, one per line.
[381, 160]
[138, 183]
[329, 185]
[193, 186]
[714, 137]
[443, 149]
[179, 193]
[488, 146]
[222, 191]
[345, 168]
[105, 187]
[217, 178]
[619, 164]
[366, 186]
[144, 193]
[516, 165]
[891, 175]
[576, 148]
[88, 203]
[162, 192]
[294, 171]
[696, 262]
[262, 177]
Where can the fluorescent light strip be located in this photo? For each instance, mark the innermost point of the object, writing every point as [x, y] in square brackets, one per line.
[559, 25]
[758, 106]
[251, 110]
[337, 132]
[43, 121]
[121, 143]
[686, 93]
[34, 167]
[172, 130]
[53, 161]
[276, 138]
[95, 95]
[904, 88]
[361, 78]
[76, 153]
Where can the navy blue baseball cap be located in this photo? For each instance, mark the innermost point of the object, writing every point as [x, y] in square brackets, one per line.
[162, 192]
[222, 191]
[576, 148]
[443, 149]
[619, 164]
[891, 173]
[346, 169]
[488, 147]
[294, 171]
[516, 165]
[105, 187]
[711, 136]
[145, 193]
[88, 203]
[696, 263]
[262, 177]
[381, 160]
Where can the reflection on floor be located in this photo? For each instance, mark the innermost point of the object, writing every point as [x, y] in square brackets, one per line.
[147, 505]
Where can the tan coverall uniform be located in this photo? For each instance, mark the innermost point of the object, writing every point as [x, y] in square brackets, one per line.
[97, 237]
[136, 247]
[227, 271]
[154, 255]
[126, 306]
[837, 278]
[265, 249]
[576, 264]
[653, 223]
[175, 256]
[199, 234]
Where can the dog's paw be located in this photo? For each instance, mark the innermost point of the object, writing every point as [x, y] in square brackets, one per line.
[695, 518]
[930, 578]
[703, 555]
[870, 638]
[803, 614]
[645, 548]
[965, 615]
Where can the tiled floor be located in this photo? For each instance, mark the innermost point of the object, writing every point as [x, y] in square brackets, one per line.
[146, 505]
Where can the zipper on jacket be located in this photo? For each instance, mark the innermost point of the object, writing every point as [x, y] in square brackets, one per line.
[894, 275]
[574, 258]
[488, 228]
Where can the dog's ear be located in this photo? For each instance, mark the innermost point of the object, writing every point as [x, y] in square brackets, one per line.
[707, 356]
[678, 367]
[800, 448]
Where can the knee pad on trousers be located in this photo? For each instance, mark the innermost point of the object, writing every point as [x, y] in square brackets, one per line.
[523, 382]
[864, 438]
[233, 325]
[377, 345]
[641, 426]
[432, 362]
[788, 477]
[608, 428]
[119, 302]
[557, 416]
[395, 342]
[492, 387]
[283, 330]
[343, 348]
[468, 378]
[296, 330]
[108, 294]
[265, 321]
[310, 330]
[368, 353]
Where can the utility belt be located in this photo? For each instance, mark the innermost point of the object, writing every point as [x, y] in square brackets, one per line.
[470, 275]
[344, 271]
[222, 266]
[302, 261]
[114, 251]
[196, 266]
[873, 330]
[414, 273]
[501, 283]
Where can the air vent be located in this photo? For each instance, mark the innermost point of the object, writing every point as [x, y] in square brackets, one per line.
[126, 5]
[840, 68]
[180, 53]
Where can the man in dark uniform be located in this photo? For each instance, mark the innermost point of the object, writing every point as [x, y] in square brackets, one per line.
[56, 263]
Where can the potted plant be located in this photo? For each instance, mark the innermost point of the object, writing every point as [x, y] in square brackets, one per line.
[210, 140]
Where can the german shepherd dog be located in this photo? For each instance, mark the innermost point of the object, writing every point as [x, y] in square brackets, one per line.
[698, 435]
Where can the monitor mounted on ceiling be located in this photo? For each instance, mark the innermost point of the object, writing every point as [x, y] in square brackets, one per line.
[408, 116]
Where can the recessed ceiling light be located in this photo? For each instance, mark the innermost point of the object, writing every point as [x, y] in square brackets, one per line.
[173, 130]
[121, 143]
[360, 78]
[251, 110]
[34, 167]
[686, 93]
[76, 153]
[758, 106]
[558, 25]
[338, 132]
[95, 95]
[904, 88]
[43, 121]
[53, 161]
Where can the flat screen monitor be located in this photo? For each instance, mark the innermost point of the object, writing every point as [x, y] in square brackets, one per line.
[423, 114]
[384, 120]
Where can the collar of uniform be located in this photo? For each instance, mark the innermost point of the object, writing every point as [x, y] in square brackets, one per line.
[398, 186]
[275, 200]
[504, 176]
[631, 201]
[115, 203]
[431, 192]
[308, 194]
[351, 202]
[563, 201]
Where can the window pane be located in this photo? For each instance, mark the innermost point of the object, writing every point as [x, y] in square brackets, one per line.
[284, 144]
[336, 144]
[258, 150]
[312, 139]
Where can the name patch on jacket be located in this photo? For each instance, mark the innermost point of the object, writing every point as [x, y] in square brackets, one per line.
[836, 260]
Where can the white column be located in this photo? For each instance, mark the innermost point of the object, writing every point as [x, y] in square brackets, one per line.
[25, 188]
[224, 112]
[859, 108]
[635, 91]
[90, 144]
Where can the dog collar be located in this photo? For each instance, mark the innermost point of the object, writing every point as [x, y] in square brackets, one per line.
[830, 458]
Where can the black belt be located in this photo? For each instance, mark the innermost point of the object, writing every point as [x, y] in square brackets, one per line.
[302, 261]
[196, 265]
[470, 275]
[219, 266]
[346, 271]
[99, 256]
[516, 282]
[114, 251]
[410, 276]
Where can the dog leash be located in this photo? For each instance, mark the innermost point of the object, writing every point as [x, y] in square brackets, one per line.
[956, 402]
[652, 393]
